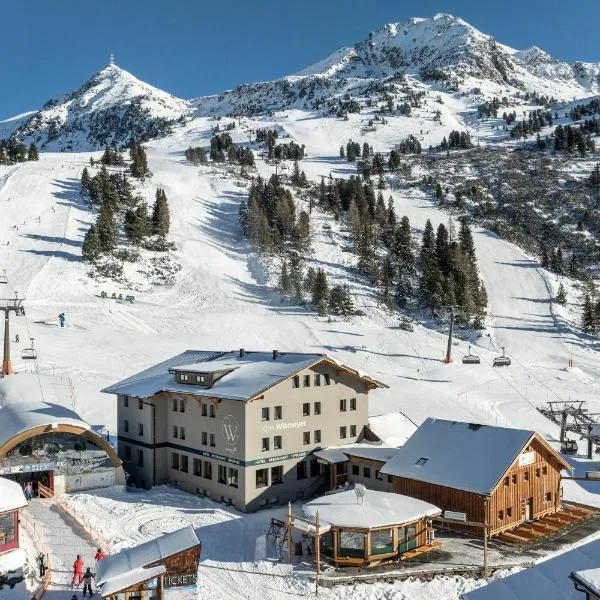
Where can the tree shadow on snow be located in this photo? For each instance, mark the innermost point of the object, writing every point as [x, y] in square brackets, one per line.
[55, 254]
[52, 239]
[69, 191]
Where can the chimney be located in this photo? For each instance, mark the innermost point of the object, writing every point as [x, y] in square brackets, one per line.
[242, 353]
[275, 354]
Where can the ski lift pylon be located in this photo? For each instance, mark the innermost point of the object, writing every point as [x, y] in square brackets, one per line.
[501, 361]
[29, 353]
[471, 359]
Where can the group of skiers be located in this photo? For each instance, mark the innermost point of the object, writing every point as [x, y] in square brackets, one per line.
[79, 576]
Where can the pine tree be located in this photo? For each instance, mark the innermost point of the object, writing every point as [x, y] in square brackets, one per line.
[3, 158]
[340, 302]
[342, 152]
[545, 259]
[136, 223]
[309, 280]
[465, 238]
[561, 295]
[588, 319]
[32, 153]
[161, 220]
[320, 289]
[106, 227]
[90, 249]
[386, 292]
[86, 181]
[439, 194]
[284, 284]
[139, 164]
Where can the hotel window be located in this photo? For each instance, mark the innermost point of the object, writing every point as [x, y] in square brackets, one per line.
[204, 410]
[174, 404]
[207, 469]
[277, 413]
[265, 413]
[355, 470]
[140, 458]
[317, 408]
[301, 470]
[126, 426]
[352, 403]
[175, 461]
[317, 436]
[306, 438]
[500, 515]
[390, 480]
[306, 409]
[200, 378]
[276, 475]
[222, 474]
[212, 411]
[175, 431]
[343, 405]
[262, 478]
[204, 438]
[548, 497]
[343, 433]
[126, 401]
[296, 382]
[183, 376]
[277, 442]
[327, 378]
[184, 463]
[367, 472]
[212, 440]
[182, 433]
[197, 464]
[140, 405]
[317, 380]
[233, 479]
[352, 430]
[306, 381]
[140, 429]
[182, 405]
[265, 444]
[127, 452]
[506, 481]
[378, 475]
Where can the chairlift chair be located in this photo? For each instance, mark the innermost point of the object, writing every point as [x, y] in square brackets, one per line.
[569, 447]
[3, 277]
[29, 353]
[471, 359]
[501, 361]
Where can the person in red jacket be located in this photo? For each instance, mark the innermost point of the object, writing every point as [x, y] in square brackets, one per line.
[99, 555]
[77, 571]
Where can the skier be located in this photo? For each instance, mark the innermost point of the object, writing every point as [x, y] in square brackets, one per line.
[99, 555]
[42, 563]
[17, 338]
[61, 319]
[77, 571]
[87, 582]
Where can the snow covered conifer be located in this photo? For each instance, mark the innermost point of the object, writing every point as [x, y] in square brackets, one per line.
[106, 227]
[86, 181]
[32, 153]
[284, 284]
[90, 249]
[320, 289]
[588, 318]
[561, 295]
[161, 220]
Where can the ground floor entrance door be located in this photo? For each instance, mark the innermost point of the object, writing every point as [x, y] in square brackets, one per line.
[529, 509]
[46, 478]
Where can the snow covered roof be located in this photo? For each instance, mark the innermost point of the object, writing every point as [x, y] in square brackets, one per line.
[331, 455]
[589, 579]
[459, 455]
[250, 374]
[548, 580]
[128, 567]
[377, 509]
[339, 454]
[11, 495]
[24, 406]
[392, 428]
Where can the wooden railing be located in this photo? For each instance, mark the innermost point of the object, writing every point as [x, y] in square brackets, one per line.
[40, 547]
[44, 492]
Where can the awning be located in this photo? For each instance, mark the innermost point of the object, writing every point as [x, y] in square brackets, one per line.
[331, 455]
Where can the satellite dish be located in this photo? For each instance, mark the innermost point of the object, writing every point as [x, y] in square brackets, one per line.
[359, 490]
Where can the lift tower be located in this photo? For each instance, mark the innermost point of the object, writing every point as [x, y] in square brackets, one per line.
[9, 305]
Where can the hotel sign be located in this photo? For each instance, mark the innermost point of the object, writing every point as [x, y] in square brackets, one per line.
[270, 427]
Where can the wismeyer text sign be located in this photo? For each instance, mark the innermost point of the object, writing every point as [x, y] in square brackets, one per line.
[180, 580]
[455, 516]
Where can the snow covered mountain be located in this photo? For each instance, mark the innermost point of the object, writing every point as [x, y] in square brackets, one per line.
[110, 108]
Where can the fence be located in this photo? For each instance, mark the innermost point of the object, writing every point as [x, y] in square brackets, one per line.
[94, 536]
[31, 528]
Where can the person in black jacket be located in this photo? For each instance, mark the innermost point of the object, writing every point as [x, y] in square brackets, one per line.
[87, 582]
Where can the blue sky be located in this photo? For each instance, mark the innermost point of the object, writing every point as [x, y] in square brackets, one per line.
[196, 47]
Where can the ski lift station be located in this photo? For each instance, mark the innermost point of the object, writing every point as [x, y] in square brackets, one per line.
[44, 442]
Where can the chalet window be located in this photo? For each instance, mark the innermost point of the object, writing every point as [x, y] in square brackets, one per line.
[140, 458]
[317, 436]
[182, 433]
[265, 444]
[306, 438]
[265, 413]
[277, 442]
[182, 405]
[422, 461]
[352, 430]
[205, 410]
[175, 461]
[306, 381]
[276, 475]
[233, 478]
[207, 469]
[184, 463]
[538, 472]
[277, 413]
[126, 426]
[317, 408]
[183, 377]
[509, 512]
[327, 378]
[174, 404]
[301, 470]
[200, 379]
[500, 515]
[296, 382]
[506, 481]
[544, 470]
[343, 432]
[222, 474]
[126, 401]
[197, 464]
[211, 411]
[526, 476]
[204, 438]
[306, 409]
[367, 472]
[352, 403]
[355, 470]
[127, 452]
[317, 380]
[140, 405]
[315, 468]
[352, 543]
[390, 479]
[343, 405]
[378, 476]
[514, 478]
[175, 431]
[548, 497]
[262, 478]
[212, 440]
[140, 429]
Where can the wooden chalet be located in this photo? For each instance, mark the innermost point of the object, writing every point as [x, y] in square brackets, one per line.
[479, 474]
